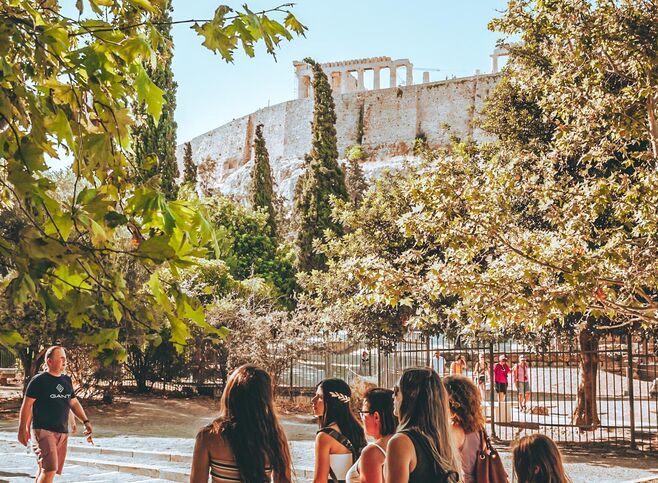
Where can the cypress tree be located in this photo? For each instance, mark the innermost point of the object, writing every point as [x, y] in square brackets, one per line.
[261, 191]
[189, 168]
[159, 139]
[322, 178]
[356, 181]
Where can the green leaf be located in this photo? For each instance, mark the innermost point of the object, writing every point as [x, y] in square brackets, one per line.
[148, 93]
[157, 248]
[11, 338]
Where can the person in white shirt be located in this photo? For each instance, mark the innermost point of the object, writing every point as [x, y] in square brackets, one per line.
[438, 363]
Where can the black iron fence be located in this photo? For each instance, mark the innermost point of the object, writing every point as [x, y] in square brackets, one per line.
[624, 384]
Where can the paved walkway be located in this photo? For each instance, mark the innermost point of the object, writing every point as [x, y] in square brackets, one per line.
[128, 450]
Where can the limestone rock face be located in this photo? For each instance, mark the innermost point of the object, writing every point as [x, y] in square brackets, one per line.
[392, 119]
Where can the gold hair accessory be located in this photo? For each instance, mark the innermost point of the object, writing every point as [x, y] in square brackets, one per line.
[344, 398]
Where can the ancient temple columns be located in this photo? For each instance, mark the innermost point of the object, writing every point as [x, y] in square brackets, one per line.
[349, 76]
[360, 85]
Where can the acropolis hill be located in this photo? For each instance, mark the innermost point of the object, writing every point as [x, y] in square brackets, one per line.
[392, 118]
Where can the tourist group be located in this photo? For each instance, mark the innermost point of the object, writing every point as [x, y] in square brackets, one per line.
[426, 429]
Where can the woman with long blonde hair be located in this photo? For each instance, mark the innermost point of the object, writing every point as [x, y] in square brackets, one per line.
[424, 447]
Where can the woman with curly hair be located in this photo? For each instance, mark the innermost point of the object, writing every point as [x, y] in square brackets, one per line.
[340, 439]
[246, 443]
[467, 421]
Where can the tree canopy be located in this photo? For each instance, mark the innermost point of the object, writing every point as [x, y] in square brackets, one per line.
[68, 87]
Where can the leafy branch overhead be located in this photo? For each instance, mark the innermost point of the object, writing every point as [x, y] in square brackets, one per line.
[68, 87]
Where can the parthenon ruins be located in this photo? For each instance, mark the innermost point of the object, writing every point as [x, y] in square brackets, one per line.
[342, 78]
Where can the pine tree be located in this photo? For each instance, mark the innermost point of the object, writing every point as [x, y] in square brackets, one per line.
[189, 168]
[356, 181]
[322, 178]
[261, 191]
[159, 140]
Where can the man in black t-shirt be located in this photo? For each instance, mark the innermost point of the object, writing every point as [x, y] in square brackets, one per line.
[49, 398]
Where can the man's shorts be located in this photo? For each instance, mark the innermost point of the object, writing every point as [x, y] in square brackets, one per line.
[523, 386]
[50, 448]
[501, 387]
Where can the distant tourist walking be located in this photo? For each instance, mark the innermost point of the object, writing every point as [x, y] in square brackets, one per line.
[423, 450]
[340, 439]
[439, 364]
[536, 459]
[467, 421]
[458, 366]
[246, 442]
[501, 371]
[521, 378]
[49, 399]
[380, 423]
[481, 375]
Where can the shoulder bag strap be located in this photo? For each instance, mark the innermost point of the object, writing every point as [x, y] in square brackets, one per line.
[342, 440]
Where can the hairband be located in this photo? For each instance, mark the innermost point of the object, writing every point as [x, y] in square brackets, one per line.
[344, 398]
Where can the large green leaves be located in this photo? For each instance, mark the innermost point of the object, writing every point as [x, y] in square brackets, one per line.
[70, 86]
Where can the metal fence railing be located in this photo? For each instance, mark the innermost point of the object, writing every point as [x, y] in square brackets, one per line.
[7, 359]
[624, 386]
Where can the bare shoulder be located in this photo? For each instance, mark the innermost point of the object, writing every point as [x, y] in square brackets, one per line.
[372, 454]
[400, 443]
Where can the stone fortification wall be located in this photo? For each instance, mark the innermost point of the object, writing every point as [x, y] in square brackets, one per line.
[392, 119]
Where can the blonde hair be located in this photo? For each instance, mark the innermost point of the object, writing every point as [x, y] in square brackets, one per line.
[424, 408]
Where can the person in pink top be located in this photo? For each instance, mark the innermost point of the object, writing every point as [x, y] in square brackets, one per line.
[501, 371]
[521, 378]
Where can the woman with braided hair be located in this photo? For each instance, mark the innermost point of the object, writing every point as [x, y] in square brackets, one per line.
[341, 438]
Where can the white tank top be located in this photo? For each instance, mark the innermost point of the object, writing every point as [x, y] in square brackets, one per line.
[353, 475]
[340, 464]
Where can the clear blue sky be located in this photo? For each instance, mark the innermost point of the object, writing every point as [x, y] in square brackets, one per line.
[449, 35]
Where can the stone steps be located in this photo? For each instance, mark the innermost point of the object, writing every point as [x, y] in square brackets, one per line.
[96, 463]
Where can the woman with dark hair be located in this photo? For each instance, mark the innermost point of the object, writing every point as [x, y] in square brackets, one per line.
[424, 448]
[340, 438]
[536, 459]
[380, 423]
[467, 421]
[246, 443]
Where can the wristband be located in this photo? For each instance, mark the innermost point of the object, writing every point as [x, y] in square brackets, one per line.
[85, 421]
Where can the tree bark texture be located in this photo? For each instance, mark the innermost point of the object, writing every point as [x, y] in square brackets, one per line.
[586, 415]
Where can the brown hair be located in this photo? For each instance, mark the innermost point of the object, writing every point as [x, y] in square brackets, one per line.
[380, 400]
[536, 459]
[465, 403]
[249, 423]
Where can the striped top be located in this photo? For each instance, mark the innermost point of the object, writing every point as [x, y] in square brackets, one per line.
[223, 471]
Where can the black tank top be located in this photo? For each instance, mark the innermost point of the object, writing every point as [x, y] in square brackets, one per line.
[426, 470]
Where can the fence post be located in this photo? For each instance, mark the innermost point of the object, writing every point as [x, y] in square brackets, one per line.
[631, 395]
[292, 363]
[427, 351]
[492, 384]
[379, 363]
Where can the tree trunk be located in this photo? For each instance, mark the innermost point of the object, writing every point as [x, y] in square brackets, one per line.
[31, 357]
[586, 415]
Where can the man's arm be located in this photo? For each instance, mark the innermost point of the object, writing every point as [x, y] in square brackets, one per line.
[76, 407]
[25, 419]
